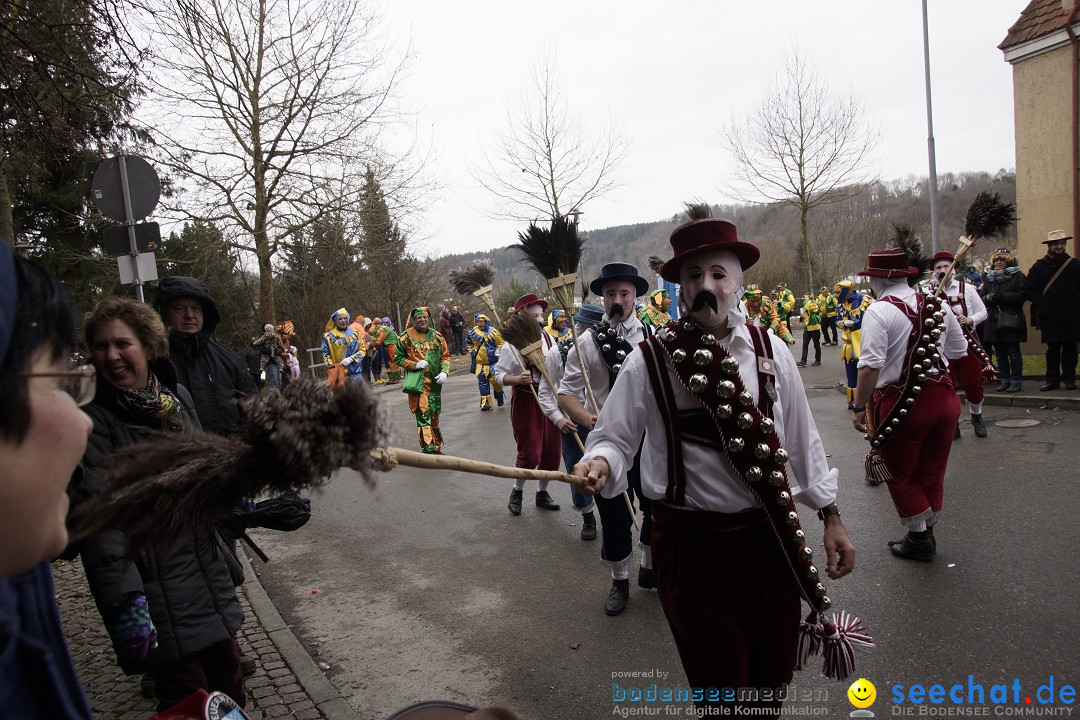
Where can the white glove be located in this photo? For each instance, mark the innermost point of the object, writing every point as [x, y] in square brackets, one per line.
[440, 378]
[346, 362]
[421, 364]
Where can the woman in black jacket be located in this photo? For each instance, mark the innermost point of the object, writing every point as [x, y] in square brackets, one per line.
[170, 610]
[1005, 326]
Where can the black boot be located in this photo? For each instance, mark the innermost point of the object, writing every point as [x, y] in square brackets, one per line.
[588, 526]
[956, 435]
[514, 506]
[914, 546]
[930, 534]
[646, 579]
[979, 425]
[617, 597]
[544, 501]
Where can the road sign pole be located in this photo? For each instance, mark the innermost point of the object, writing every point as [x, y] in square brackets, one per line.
[129, 220]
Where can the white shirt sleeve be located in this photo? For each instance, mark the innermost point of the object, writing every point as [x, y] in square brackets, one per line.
[975, 305]
[618, 432]
[507, 364]
[548, 402]
[953, 342]
[875, 336]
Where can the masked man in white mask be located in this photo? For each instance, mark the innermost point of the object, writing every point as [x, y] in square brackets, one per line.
[729, 447]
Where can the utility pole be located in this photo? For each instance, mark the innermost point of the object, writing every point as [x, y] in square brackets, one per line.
[936, 240]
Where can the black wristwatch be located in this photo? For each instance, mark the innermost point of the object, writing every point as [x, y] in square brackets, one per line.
[858, 409]
[828, 510]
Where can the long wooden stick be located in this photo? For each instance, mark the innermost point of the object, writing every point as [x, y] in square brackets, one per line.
[389, 457]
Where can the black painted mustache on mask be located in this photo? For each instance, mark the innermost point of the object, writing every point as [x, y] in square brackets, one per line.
[617, 311]
[703, 298]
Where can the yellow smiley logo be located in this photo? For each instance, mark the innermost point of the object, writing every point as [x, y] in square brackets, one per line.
[862, 693]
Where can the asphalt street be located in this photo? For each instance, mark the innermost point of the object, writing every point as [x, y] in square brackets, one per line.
[426, 587]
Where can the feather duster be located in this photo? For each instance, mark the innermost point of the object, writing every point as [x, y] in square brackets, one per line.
[290, 441]
[905, 238]
[477, 274]
[552, 251]
[988, 216]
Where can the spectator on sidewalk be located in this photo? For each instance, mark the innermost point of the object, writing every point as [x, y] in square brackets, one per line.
[1054, 291]
[42, 437]
[1004, 292]
[270, 342]
[252, 357]
[457, 327]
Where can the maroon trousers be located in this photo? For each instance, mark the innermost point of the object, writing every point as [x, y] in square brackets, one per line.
[539, 442]
[729, 597]
[918, 453]
[967, 374]
[215, 668]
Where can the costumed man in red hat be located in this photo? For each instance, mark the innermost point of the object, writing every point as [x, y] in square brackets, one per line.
[539, 446]
[730, 446]
[604, 351]
[905, 400]
[967, 372]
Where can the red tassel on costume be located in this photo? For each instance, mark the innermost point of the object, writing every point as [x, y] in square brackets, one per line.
[809, 640]
[839, 640]
[876, 470]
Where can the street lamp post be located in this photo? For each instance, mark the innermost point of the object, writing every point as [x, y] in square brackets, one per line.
[936, 241]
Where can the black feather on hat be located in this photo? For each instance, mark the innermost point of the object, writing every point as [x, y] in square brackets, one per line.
[905, 238]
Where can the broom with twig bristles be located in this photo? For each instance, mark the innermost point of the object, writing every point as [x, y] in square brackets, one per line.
[986, 216]
[291, 441]
[654, 263]
[555, 253]
[523, 332]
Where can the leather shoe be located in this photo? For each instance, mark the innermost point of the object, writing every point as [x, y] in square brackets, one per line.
[514, 506]
[1048, 386]
[1013, 387]
[979, 425]
[544, 501]
[499, 401]
[1069, 385]
[1003, 386]
[588, 526]
[956, 435]
[646, 579]
[912, 547]
[618, 597]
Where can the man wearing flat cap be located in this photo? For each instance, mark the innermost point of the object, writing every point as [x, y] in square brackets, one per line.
[603, 352]
[1054, 292]
[730, 447]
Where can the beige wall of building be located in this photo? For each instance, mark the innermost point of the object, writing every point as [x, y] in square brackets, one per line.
[1042, 97]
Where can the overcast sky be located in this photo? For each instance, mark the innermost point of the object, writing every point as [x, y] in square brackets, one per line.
[672, 73]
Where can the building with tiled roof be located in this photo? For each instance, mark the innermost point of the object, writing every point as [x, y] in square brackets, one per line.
[1043, 48]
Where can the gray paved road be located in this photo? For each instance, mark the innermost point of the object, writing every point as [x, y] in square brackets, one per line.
[427, 587]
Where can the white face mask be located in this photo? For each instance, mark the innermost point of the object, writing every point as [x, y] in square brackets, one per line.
[720, 273]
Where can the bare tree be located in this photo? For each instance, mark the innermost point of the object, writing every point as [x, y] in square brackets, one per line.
[802, 146]
[273, 106]
[543, 164]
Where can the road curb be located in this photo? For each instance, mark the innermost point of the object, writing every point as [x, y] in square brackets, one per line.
[1046, 402]
[322, 692]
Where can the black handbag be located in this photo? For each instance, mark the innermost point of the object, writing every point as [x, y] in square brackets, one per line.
[1010, 320]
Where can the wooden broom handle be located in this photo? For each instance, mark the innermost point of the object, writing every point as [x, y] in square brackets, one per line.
[389, 457]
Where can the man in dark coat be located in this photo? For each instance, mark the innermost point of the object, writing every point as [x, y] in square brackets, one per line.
[213, 373]
[457, 327]
[1054, 291]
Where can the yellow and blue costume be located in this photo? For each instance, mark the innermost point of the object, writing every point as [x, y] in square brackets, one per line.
[412, 347]
[484, 342]
[339, 345]
[850, 308]
[555, 332]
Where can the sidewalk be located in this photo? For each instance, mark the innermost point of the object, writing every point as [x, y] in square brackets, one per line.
[286, 683]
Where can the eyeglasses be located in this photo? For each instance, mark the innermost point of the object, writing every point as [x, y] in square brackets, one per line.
[79, 382]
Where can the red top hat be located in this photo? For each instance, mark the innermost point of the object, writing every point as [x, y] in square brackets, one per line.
[888, 264]
[706, 235]
[943, 255]
[526, 300]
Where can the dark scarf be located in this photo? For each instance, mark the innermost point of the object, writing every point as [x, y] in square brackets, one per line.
[154, 402]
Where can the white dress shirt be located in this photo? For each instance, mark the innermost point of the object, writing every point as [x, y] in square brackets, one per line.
[631, 410]
[548, 401]
[573, 383]
[886, 330]
[976, 308]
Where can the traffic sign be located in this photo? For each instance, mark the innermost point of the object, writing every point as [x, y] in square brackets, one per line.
[143, 185]
[116, 241]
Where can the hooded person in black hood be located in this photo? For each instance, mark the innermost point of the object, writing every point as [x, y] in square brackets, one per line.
[215, 375]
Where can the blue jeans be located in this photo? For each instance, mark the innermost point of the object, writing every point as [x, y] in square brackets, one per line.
[1010, 361]
[571, 453]
[273, 376]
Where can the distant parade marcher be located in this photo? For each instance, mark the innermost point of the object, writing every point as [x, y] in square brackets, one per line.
[762, 312]
[557, 326]
[484, 342]
[729, 448]
[589, 316]
[785, 300]
[656, 312]
[967, 372]
[906, 393]
[1054, 291]
[270, 360]
[386, 339]
[603, 351]
[420, 349]
[342, 350]
[827, 302]
[849, 315]
[537, 438]
[811, 315]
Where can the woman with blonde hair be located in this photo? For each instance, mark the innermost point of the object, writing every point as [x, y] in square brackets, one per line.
[171, 610]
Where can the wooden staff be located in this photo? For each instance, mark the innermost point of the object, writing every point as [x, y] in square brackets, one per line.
[389, 457]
